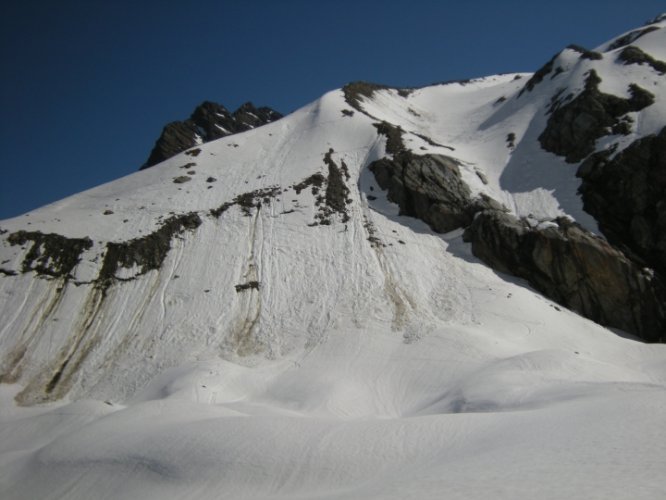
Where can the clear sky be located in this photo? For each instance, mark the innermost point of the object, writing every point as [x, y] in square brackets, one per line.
[87, 86]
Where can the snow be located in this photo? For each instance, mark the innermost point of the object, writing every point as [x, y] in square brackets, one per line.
[406, 369]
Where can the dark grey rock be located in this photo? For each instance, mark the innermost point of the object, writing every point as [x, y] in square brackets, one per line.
[50, 254]
[576, 269]
[208, 122]
[573, 127]
[539, 75]
[631, 37]
[428, 187]
[634, 55]
[626, 194]
[585, 53]
[147, 252]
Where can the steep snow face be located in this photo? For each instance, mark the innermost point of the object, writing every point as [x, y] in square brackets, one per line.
[261, 323]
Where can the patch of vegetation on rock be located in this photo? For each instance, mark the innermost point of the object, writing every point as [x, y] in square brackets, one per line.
[316, 181]
[147, 252]
[248, 201]
[50, 254]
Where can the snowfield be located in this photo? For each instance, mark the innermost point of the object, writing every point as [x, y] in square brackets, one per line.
[272, 356]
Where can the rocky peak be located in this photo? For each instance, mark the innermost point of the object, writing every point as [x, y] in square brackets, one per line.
[209, 121]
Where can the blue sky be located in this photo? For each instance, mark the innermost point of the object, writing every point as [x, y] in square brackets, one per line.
[88, 85]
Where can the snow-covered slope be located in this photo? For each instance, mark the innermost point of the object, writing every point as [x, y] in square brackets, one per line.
[254, 319]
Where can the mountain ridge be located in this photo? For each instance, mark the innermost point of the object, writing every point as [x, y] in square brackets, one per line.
[209, 121]
[353, 302]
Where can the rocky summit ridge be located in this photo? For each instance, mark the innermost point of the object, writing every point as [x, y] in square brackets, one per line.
[209, 121]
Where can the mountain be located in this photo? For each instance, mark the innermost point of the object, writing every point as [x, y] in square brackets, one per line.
[389, 293]
[209, 121]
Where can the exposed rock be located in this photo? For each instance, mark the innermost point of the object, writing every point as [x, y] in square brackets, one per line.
[393, 134]
[627, 196]
[634, 55]
[539, 75]
[430, 188]
[50, 254]
[181, 179]
[585, 53]
[335, 196]
[147, 252]
[575, 268]
[355, 91]
[208, 122]
[574, 127]
[250, 285]
[631, 37]
[316, 181]
[247, 201]
[337, 192]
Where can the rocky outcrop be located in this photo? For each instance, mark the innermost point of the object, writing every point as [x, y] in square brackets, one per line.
[355, 92]
[631, 37]
[575, 268]
[574, 126]
[634, 55]
[539, 75]
[145, 253]
[208, 122]
[430, 188]
[626, 193]
[50, 254]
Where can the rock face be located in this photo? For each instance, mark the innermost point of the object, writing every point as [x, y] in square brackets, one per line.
[618, 283]
[573, 127]
[627, 195]
[208, 122]
[428, 187]
[575, 268]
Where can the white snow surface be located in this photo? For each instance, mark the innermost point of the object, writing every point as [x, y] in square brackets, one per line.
[405, 369]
